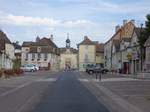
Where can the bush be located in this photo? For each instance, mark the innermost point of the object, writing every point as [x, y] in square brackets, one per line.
[9, 72]
[1, 73]
[18, 71]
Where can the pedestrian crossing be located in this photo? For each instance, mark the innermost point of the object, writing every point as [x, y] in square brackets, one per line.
[107, 80]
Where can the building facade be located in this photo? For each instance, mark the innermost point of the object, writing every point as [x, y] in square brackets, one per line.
[90, 52]
[6, 52]
[147, 60]
[43, 53]
[115, 49]
[68, 57]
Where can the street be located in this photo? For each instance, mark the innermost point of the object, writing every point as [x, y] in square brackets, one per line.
[67, 94]
[44, 91]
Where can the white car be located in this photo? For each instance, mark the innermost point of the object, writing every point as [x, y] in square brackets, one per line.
[36, 67]
[28, 68]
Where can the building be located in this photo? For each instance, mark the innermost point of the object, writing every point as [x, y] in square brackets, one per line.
[6, 52]
[87, 53]
[43, 53]
[100, 54]
[115, 49]
[17, 48]
[134, 51]
[147, 60]
[68, 57]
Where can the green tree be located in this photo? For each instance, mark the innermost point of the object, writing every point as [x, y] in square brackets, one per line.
[144, 35]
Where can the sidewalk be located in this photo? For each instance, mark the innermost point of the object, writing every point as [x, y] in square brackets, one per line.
[119, 93]
[135, 76]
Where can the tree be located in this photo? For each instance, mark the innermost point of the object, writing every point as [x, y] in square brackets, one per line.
[144, 35]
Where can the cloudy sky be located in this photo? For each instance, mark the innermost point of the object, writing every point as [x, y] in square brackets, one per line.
[23, 20]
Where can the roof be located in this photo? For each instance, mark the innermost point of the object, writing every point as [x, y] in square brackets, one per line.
[3, 40]
[87, 41]
[73, 50]
[46, 44]
[119, 31]
[147, 43]
[100, 48]
[28, 44]
[17, 46]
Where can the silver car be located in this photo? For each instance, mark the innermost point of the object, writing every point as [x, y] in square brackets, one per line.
[28, 68]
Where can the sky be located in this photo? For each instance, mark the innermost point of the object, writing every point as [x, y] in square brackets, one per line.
[24, 20]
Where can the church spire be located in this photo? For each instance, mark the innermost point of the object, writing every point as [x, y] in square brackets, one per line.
[67, 41]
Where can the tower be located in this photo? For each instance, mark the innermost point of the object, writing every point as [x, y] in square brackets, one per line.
[68, 41]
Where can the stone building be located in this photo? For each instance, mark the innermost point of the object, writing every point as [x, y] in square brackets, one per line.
[6, 52]
[68, 57]
[115, 49]
[43, 53]
[147, 60]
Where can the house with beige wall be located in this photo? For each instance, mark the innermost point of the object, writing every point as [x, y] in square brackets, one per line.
[43, 53]
[87, 53]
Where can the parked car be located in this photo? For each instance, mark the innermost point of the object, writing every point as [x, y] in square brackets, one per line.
[36, 67]
[104, 70]
[28, 68]
[93, 69]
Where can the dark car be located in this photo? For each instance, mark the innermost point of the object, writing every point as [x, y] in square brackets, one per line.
[104, 70]
[93, 69]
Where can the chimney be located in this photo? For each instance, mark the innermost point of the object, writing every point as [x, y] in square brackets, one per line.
[117, 28]
[51, 37]
[133, 21]
[124, 22]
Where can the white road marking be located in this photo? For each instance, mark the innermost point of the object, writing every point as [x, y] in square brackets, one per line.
[15, 89]
[83, 80]
[47, 80]
[106, 80]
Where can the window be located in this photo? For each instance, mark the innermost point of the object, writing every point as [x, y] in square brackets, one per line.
[39, 49]
[33, 56]
[26, 57]
[45, 56]
[39, 56]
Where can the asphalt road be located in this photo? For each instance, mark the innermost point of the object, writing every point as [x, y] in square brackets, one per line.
[67, 94]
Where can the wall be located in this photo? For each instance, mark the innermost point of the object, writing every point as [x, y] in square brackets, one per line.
[88, 50]
[72, 57]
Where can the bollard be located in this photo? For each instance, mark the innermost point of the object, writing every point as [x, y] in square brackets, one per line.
[100, 76]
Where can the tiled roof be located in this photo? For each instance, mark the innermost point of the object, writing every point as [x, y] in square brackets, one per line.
[3, 40]
[87, 41]
[100, 48]
[46, 45]
[16, 46]
[28, 44]
[63, 50]
[147, 43]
